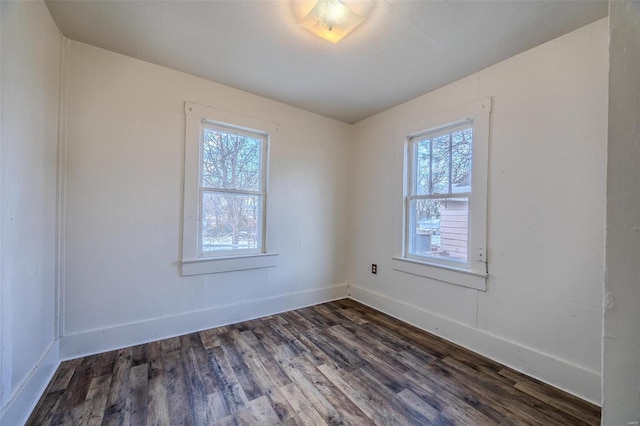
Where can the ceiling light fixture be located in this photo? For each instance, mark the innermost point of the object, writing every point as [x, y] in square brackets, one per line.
[331, 20]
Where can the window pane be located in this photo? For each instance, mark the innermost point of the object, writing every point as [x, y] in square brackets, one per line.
[443, 163]
[231, 221]
[440, 164]
[231, 161]
[461, 142]
[438, 228]
[423, 167]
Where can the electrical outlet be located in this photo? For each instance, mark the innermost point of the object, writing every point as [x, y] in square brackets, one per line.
[374, 268]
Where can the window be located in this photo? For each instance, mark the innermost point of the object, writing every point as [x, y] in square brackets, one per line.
[225, 202]
[232, 190]
[438, 201]
[444, 190]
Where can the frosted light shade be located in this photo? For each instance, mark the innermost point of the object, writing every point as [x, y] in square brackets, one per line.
[331, 20]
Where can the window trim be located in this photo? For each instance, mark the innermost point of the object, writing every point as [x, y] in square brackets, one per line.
[193, 261]
[475, 274]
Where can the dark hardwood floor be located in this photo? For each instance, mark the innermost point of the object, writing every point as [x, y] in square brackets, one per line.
[335, 363]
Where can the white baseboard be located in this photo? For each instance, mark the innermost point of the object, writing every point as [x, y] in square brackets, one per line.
[559, 373]
[122, 336]
[24, 400]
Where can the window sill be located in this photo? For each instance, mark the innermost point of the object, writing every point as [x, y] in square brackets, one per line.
[447, 274]
[214, 265]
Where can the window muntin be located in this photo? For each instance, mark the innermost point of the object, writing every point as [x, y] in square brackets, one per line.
[440, 190]
[232, 190]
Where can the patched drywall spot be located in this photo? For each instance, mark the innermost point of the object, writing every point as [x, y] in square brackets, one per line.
[608, 301]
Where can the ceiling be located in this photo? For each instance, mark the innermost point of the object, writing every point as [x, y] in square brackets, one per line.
[404, 49]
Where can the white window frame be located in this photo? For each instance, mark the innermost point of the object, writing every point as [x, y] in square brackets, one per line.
[194, 260]
[473, 274]
[262, 192]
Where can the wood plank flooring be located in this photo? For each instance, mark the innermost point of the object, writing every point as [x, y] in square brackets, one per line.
[330, 364]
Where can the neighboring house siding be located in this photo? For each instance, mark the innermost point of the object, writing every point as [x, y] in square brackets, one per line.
[453, 225]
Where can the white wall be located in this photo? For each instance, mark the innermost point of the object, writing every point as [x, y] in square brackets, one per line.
[542, 311]
[621, 352]
[30, 46]
[123, 207]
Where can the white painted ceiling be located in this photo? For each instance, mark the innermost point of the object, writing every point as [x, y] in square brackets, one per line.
[405, 48]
